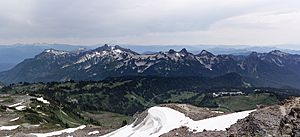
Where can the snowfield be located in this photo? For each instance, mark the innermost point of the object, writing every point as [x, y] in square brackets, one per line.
[57, 133]
[161, 120]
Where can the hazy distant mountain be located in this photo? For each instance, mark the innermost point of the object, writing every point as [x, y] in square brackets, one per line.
[275, 68]
[6, 66]
[215, 49]
[10, 55]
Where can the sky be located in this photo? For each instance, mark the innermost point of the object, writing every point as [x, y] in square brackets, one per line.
[147, 22]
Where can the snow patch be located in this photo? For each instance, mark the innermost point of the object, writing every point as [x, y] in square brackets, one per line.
[87, 67]
[178, 55]
[14, 105]
[93, 132]
[15, 119]
[140, 63]
[278, 62]
[162, 120]
[17, 106]
[241, 65]
[41, 99]
[56, 52]
[57, 133]
[117, 51]
[219, 112]
[9, 127]
[20, 108]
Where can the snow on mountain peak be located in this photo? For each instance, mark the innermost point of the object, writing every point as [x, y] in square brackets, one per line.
[114, 49]
[115, 52]
[55, 52]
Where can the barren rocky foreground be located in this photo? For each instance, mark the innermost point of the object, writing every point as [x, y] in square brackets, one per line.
[281, 120]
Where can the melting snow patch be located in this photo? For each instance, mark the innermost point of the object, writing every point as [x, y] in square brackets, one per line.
[94, 132]
[20, 108]
[219, 112]
[14, 105]
[15, 119]
[9, 127]
[33, 125]
[56, 133]
[117, 51]
[43, 100]
[161, 120]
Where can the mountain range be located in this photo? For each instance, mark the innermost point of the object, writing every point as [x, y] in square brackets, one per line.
[272, 69]
[11, 55]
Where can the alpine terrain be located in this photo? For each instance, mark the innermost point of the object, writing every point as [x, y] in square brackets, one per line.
[273, 69]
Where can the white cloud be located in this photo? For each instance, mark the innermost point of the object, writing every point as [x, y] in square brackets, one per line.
[150, 21]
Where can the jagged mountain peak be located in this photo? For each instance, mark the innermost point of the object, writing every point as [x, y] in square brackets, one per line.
[124, 49]
[206, 53]
[105, 47]
[110, 61]
[172, 51]
[116, 49]
[278, 53]
[184, 51]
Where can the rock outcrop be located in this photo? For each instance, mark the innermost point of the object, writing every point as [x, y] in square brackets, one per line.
[281, 120]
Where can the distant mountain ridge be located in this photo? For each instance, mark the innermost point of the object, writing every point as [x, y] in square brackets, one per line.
[274, 69]
[10, 55]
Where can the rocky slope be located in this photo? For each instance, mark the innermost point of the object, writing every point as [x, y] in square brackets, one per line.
[276, 121]
[279, 120]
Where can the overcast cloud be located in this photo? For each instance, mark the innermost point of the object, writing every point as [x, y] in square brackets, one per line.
[150, 21]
